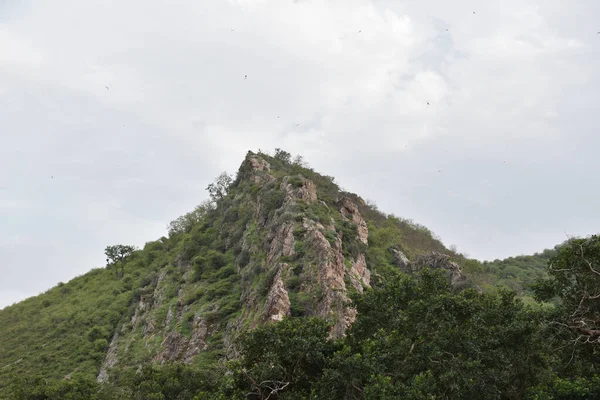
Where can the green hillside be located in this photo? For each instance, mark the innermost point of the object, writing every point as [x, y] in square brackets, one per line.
[521, 272]
[281, 269]
[201, 267]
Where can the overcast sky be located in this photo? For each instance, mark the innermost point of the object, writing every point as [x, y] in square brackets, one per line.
[502, 161]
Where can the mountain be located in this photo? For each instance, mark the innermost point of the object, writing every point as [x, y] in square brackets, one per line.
[279, 240]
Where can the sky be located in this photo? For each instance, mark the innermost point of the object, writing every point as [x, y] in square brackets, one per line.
[477, 122]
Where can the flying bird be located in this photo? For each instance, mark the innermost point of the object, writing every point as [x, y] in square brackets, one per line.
[297, 124]
[106, 87]
[245, 76]
[427, 103]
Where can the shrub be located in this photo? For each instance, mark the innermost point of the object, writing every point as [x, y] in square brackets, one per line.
[272, 200]
[295, 181]
[293, 283]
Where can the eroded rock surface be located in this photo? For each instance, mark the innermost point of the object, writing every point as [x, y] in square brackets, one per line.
[439, 260]
[350, 210]
[277, 305]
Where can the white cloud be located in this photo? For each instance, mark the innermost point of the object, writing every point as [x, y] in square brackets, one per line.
[510, 123]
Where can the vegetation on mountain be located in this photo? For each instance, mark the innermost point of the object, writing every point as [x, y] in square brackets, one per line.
[521, 272]
[283, 286]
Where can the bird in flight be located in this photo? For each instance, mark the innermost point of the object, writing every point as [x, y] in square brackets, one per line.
[106, 87]
[427, 103]
[52, 176]
[297, 124]
[359, 31]
[245, 76]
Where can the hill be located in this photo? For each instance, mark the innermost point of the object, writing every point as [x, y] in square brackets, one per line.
[276, 241]
[279, 240]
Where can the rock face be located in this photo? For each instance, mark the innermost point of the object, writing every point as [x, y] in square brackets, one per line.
[399, 259]
[326, 271]
[438, 260]
[350, 210]
[278, 302]
[282, 242]
[308, 191]
[332, 273]
[110, 361]
[259, 164]
[360, 276]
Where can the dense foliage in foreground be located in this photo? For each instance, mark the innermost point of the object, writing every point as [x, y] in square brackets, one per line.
[414, 338]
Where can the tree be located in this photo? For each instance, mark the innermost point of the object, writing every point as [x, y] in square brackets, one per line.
[574, 285]
[186, 222]
[284, 357]
[117, 255]
[415, 339]
[299, 162]
[283, 156]
[219, 188]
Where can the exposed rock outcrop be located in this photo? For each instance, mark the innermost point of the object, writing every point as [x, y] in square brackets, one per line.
[277, 305]
[259, 164]
[282, 242]
[360, 276]
[439, 260]
[308, 191]
[197, 341]
[331, 273]
[110, 361]
[350, 210]
[399, 259]
[177, 346]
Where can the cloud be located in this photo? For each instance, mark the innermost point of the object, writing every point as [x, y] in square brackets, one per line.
[116, 115]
